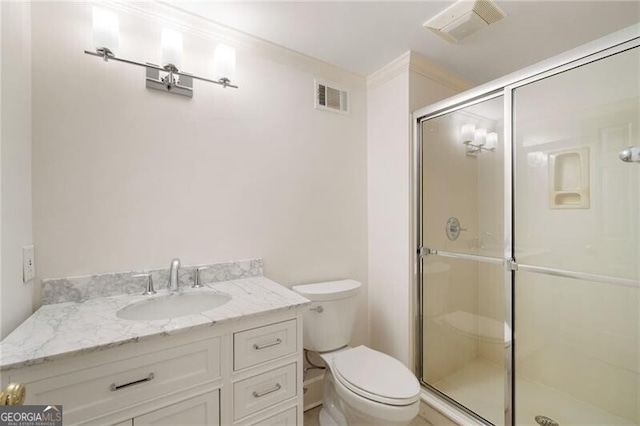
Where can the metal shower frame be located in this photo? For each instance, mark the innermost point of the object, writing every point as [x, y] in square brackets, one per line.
[612, 44]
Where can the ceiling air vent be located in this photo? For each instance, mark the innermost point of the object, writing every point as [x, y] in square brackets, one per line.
[329, 97]
[464, 18]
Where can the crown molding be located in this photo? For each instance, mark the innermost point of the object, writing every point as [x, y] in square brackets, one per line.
[391, 70]
[167, 14]
[423, 66]
[414, 62]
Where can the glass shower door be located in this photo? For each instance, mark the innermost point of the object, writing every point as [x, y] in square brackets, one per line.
[577, 238]
[463, 276]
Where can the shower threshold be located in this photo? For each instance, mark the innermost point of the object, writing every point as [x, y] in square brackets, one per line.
[477, 384]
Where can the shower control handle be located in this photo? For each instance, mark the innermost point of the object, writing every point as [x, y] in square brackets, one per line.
[453, 228]
[319, 309]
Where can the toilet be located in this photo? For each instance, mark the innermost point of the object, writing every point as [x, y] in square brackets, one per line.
[361, 386]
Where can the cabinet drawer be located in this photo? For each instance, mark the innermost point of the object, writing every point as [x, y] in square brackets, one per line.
[286, 418]
[264, 390]
[203, 410]
[251, 347]
[90, 392]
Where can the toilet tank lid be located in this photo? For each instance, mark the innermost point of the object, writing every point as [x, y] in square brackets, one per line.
[331, 290]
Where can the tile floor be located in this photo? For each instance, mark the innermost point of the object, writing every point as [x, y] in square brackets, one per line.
[311, 418]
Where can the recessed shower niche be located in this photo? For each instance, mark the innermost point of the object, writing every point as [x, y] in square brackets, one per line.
[569, 179]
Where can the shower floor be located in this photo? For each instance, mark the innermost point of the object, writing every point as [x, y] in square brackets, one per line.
[479, 386]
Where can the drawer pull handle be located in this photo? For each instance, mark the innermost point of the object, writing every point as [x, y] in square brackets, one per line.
[276, 388]
[115, 387]
[257, 347]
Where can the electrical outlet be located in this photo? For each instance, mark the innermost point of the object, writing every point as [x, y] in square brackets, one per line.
[28, 264]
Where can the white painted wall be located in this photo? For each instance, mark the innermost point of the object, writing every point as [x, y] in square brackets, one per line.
[15, 157]
[388, 161]
[127, 178]
[394, 92]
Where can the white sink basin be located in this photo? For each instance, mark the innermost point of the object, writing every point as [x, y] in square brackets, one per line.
[172, 306]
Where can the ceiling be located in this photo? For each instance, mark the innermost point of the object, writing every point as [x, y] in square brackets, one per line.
[362, 37]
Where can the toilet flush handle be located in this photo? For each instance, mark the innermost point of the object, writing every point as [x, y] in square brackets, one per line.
[318, 309]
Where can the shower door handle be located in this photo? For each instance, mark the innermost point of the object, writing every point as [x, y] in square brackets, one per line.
[630, 154]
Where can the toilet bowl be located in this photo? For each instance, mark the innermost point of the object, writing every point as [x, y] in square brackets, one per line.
[362, 386]
[373, 388]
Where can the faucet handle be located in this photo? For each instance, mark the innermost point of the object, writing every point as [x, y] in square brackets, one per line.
[150, 289]
[197, 283]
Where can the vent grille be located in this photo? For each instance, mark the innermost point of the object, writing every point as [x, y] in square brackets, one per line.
[464, 18]
[488, 11]
[330, 98]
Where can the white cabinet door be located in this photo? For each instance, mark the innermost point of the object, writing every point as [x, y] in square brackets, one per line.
[202, 410]
[125, 423]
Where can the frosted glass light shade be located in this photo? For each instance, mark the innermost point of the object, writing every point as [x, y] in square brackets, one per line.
[492, 140]
[468, 132]
[480, 137]
[106, 29]
[224, 61]
[172, 47]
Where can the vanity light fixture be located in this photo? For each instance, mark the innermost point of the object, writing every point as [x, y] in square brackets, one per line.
[467, 132]
[168, 78]
[224, 62]
[480, 137]
[106, 31]
[492, 141]
[477, 139]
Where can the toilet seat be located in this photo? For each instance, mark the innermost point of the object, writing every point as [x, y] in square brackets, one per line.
[375, 376]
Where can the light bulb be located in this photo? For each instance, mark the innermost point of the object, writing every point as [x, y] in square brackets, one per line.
[224, 61]
[480, 137]
[492, 140]
[106, 29]
[467, 132]
[172, 47]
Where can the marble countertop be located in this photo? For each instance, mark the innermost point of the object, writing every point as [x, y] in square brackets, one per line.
[66, 329]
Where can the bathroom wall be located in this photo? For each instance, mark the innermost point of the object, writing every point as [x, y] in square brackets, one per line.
[388, 161]
[128, 178]
[394, 92]
[15, 162]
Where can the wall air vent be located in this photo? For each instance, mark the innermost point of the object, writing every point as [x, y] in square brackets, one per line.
[464, 18]
[330, 97]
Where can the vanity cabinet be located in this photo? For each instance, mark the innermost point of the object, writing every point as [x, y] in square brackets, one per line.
[244, 372]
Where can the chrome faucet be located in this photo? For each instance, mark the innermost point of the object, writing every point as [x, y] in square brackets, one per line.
[174, 283]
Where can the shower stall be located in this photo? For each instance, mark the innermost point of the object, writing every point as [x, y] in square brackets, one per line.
[528, 242]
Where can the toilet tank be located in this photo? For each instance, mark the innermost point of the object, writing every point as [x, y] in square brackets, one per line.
[328, 322]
